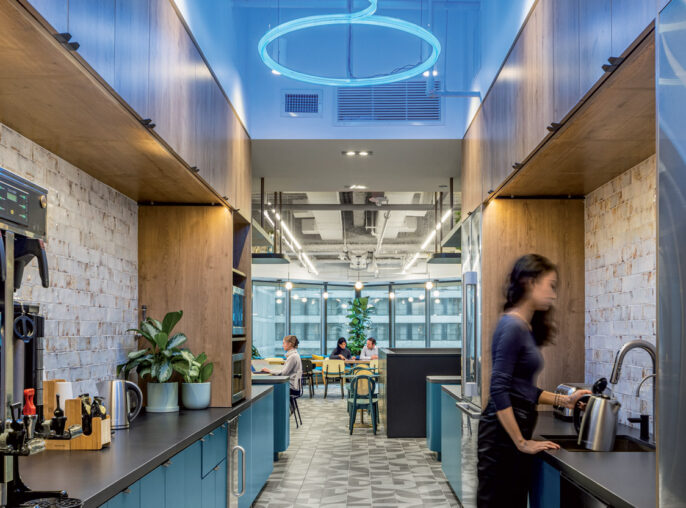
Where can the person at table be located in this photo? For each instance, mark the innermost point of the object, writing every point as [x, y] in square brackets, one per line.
[292, 367]
[341, 352]
[369, 351]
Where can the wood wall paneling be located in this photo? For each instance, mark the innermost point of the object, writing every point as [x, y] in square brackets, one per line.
[241, 181]
[185, 262]
[629, 19]
[55, 12]
[555, 229]
[91, 24]
[131, 53]
[472, 178]
[595, 39]
[566, 47]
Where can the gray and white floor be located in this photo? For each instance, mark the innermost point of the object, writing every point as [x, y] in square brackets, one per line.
[326, 466]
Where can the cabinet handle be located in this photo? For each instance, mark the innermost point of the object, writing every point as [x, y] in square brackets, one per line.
[216, 468]
[202, 439]
[211, 433]
[127, 491]
[232, 470]
[167, 464]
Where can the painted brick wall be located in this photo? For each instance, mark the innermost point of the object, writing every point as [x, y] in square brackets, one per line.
[92, 247]
[621, 225]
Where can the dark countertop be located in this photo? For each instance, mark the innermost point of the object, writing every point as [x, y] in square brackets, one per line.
[96, 476]
[268, 379]
[624, 479]
[444, 379]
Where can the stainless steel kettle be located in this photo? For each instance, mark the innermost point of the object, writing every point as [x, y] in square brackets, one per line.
[598, 427]
[118, 402]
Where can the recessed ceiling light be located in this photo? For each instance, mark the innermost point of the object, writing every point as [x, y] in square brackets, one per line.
[443, 186]
[350, 153]
[435, 73]
[425, 74]
[275, 72]
[363, 154]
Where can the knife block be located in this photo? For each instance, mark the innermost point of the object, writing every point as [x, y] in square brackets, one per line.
[100, 437]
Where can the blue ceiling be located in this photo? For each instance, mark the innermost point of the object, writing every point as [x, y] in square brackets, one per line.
[475, 38]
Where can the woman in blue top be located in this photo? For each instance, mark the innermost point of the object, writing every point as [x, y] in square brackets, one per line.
[508, 421]
[341, 352]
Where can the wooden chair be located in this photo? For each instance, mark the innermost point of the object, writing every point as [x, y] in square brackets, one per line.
[362, 398]
[332, 371]
[374, 365]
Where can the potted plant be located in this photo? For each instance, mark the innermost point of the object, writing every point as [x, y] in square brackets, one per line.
[159, 361]
[196, 389]
[360, 322]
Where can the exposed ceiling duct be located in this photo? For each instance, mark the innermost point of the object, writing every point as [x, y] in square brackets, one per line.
[327, 223]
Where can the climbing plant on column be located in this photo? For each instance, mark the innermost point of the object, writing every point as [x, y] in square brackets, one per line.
[360, 323]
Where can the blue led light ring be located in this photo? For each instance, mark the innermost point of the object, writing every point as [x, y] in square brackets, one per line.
[364, 17]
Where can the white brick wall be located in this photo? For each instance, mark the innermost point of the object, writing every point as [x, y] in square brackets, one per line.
[621, 233]
[92, 247]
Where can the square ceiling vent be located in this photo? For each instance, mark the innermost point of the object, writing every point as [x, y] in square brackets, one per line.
[396, 102]
[301, 103]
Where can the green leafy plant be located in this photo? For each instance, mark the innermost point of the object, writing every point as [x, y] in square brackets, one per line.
[197, 371]
[255, 353]
[163, 356]
[360, 323]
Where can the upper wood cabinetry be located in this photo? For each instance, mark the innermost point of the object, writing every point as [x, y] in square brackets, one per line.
[55, 12]
[472, 177]
[595, 40]
[629, 18]
[566, 58]
[131, 53]
[91, 24]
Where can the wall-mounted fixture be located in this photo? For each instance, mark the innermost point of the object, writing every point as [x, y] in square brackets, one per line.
[363, 17]
[357, 153]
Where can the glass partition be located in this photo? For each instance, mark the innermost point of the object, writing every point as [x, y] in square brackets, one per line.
[410, 316]
[306, 317]
[269, 317]
[337, 308]
[378, 297]
[446, 315]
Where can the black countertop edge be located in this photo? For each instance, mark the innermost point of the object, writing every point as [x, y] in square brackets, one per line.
[51, 469]
[444, 379]
[421, 351]
[269, 380]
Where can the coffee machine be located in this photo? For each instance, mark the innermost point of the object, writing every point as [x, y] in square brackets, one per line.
[23, 223]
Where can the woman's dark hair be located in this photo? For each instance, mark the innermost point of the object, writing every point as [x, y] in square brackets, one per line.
[527, 269]
[292, 339]
[373, 340]
[341, 340]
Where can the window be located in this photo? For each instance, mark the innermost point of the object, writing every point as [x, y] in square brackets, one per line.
[378, 297]
[446, 315]
[410, 316]
[306, 317]
[269, 317]
[337, 308]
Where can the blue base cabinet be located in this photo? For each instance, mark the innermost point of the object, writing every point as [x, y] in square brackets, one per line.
[545, 485]
[254, 426]
[451, 443]
[433, 417]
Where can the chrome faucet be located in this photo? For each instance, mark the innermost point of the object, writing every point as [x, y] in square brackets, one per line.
[619, 359]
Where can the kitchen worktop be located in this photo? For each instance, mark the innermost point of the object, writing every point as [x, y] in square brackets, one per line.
[96, 476]
[268, 379]
[624, 479]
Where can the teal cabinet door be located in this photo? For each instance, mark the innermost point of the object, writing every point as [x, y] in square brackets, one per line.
[152, 489]
[128, 498]
[174, 481]
[192, 479]
[545, 486]
[262, 447]
[209, 490]
[221, 484]
[451, 443]
[245, 440]
[214, 448]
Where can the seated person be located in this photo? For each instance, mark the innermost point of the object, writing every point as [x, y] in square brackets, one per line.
[370, 351]
[292, 367]
[341, 352]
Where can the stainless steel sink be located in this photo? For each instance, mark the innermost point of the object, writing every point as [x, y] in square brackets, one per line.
[622, 444]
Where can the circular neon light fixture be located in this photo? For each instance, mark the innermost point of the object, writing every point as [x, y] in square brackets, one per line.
[363, 17]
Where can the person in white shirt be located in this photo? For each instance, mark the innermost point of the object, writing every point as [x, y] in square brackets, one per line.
[293, 366]
[370, 351]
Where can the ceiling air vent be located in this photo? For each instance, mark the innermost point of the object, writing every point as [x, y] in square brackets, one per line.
[301, 103]
[396, 102]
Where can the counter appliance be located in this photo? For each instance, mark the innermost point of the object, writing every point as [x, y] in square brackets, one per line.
[562, 412]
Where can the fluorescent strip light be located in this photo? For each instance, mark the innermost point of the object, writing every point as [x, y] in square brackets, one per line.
[428, 239]
[290, 235]
[446, 216]
[266, 214]
[412, 262]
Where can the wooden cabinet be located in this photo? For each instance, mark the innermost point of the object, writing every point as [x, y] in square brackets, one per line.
[472, 176]
[131, 53]
[629, 19]
[91, 24]
[566, 52]
[595, 40]
[55, 12]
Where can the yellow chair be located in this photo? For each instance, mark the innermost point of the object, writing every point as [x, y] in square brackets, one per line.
[374, 365]
[275, 361]
[332, 371]
[317, 361]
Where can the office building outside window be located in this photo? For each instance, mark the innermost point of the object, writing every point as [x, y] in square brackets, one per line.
[378, 297]
[337, 308]
[445, 303]
[306, 317]
[410, 316]
[269, 318]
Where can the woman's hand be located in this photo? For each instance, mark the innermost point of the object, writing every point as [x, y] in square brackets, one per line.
[532, 447]
[341, 357]
[571, 400]
[265, 370]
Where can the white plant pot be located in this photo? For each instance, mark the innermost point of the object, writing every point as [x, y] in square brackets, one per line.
[163, 397]
[196, 395]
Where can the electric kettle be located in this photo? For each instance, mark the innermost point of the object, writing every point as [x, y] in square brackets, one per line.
[119, 403]
[598, 427]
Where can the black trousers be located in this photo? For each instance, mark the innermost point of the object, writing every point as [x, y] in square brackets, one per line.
[504, 472]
